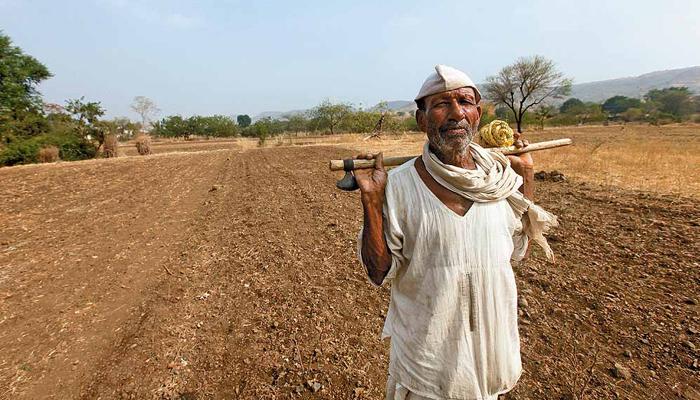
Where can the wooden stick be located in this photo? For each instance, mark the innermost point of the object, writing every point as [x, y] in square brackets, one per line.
[338, 165]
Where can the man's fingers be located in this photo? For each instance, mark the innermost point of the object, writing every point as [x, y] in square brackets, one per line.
[379, 161]
[379, 157]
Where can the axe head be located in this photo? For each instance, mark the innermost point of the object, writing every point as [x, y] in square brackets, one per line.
[348, 183]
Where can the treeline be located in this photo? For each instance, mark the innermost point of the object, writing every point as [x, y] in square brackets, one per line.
[658, 106]
[326, 118]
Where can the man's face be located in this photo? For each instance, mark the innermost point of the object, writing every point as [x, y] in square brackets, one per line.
[450, 120]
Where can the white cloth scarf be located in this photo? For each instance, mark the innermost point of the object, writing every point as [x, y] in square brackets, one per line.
[494, 181]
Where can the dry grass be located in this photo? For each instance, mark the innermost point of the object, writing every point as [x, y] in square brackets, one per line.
[662, 159]
[657, 159]
[111, 147]
[48, 154]
[143, 144]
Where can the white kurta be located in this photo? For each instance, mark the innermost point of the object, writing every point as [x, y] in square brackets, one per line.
[452, 316]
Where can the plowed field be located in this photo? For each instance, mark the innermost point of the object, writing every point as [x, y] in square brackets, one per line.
[232, 274]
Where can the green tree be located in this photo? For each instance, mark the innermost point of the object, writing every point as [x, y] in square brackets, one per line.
[361, 121]
[262, 129]
[222, 126]
[243, 120]
[19, 75]
[570, 104]
[525, 84]
[123, 127]
[591, 112]
[87, 117]
[20, 101]
[676, 101]
[330, 115]
[172, 126]
[296, 123]
[619, 104]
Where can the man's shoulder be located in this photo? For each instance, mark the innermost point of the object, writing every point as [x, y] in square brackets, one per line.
[400, 181]
[402, 172]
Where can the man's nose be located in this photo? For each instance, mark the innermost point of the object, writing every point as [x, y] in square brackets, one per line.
[456, 111]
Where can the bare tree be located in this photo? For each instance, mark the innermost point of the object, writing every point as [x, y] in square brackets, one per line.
[383, 109]
[525, 84]
[146, 108]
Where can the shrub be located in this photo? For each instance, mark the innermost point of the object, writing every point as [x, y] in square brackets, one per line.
[26, 151]
[48, 154]
[633, 114]
[74, 148]
[409, 124]
[111, 146]
[20, 152]
[143, 144]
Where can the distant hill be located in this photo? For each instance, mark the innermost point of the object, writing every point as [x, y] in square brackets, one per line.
[638, 86]
[277, 114]
[398, 106]
[597, 91]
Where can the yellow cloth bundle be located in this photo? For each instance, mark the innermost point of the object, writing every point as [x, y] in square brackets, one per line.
[496, 134]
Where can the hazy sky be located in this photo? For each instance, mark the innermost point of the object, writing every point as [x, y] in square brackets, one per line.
[233, 57]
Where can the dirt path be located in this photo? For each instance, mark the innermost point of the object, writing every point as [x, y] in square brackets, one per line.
[263, 299]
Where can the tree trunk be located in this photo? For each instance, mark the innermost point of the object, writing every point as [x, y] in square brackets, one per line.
[519, 123]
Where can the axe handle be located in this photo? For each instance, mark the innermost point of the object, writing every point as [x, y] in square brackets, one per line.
[338, 165]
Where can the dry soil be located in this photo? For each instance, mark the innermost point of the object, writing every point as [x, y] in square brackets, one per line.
[228, 274]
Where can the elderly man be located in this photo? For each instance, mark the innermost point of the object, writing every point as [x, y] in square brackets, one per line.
[444, 228]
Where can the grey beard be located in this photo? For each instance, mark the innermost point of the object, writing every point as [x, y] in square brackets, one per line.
[456, 148]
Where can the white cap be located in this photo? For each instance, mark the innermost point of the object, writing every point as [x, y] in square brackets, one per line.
[446, 78]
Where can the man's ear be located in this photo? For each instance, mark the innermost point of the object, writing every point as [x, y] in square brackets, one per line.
[421, 120]
[478, 108]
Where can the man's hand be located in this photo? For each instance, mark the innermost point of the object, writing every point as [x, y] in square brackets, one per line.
[524, 166]
[372, 181]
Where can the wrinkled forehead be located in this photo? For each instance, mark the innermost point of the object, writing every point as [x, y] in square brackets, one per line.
[464, 92]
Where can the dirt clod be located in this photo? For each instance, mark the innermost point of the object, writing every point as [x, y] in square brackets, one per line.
[621, 372]
[314, 385]
[554, 176]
